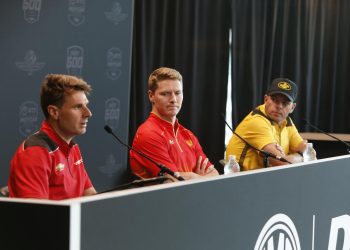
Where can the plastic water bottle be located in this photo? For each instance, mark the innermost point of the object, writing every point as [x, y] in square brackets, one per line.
[309, 153]
[231, 165]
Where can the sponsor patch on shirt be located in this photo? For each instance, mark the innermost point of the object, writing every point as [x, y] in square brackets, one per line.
[60, 167]
[189, 143]
[78, 162]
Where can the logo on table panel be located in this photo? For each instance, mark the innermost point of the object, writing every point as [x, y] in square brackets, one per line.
[76, 11]
[112, 112]
[279, 233]
[28, 118]
[116, 14]
[75, 59]
[31, 9]
[110, 167]
[114, 63]
[30, 64]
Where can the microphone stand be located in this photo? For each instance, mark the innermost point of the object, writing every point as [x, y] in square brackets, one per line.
[319, 130]
[138, 183]
[163, 169]
[265, 154]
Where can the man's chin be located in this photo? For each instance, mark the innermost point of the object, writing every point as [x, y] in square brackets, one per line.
[82, 131]
[172, 113]
[276, 118]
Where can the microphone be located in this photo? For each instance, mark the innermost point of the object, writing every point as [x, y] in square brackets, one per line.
[323, 132]
[263, 152]
[163, 169]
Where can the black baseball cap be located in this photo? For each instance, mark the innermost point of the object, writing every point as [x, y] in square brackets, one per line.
[285, 87]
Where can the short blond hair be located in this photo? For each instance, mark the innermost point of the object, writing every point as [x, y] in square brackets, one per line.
[162, 74]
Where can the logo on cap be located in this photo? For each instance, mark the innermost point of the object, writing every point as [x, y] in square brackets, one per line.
[284, 85]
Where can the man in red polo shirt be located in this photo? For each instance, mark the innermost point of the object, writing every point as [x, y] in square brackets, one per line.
[48, 164]
[163, 138]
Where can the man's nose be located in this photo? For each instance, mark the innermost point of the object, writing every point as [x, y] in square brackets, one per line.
[87, 112]
[279, 103]
[172, 97]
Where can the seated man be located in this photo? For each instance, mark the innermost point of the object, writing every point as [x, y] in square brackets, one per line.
[163, 138]
[269, 127]
[48, 164]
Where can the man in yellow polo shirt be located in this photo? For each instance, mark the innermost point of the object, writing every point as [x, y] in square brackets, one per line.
[269, 128]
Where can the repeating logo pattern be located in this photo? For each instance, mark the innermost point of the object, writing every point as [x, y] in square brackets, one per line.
[30, 64]
[111, 167]
[37, 58]
[76, 9]
[114, 63]
[116, 15]
[75, 60]
[28, 118]
[31, 9]
[112, 112]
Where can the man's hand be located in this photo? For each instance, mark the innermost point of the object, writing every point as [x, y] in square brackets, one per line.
[201, 166]
[202, 169]
[277, 150]
[300, 148]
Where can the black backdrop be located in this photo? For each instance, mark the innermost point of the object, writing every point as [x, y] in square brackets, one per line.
[304, 40]
[191, 36]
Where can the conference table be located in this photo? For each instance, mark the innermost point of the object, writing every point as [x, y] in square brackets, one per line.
[327, 146]
[299, 206]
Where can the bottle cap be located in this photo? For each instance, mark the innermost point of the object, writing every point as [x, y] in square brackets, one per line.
[232, 157]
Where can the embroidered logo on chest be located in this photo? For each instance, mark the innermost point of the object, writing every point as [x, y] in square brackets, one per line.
[189, 143]
[60, 167]
[171, 141]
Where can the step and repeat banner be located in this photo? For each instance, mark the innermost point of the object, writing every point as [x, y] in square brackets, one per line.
[85, 38]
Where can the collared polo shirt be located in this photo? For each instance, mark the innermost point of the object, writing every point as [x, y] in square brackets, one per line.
[258, 130]
[174, 146]
[46, 167]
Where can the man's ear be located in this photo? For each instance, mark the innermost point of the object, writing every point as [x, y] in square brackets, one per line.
[150, 96]
[53, 111]
[265, 98]
[293, 107]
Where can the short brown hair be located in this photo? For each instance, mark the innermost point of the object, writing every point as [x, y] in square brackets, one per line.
[162, 74]
[55, 86]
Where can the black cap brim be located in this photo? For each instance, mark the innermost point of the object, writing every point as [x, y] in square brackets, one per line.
[283, 93]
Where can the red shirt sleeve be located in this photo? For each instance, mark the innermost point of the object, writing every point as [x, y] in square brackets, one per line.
[198, 148]
[154, 146]
[30, 171]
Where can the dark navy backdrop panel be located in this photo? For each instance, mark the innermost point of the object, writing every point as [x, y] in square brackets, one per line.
[89, 39]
